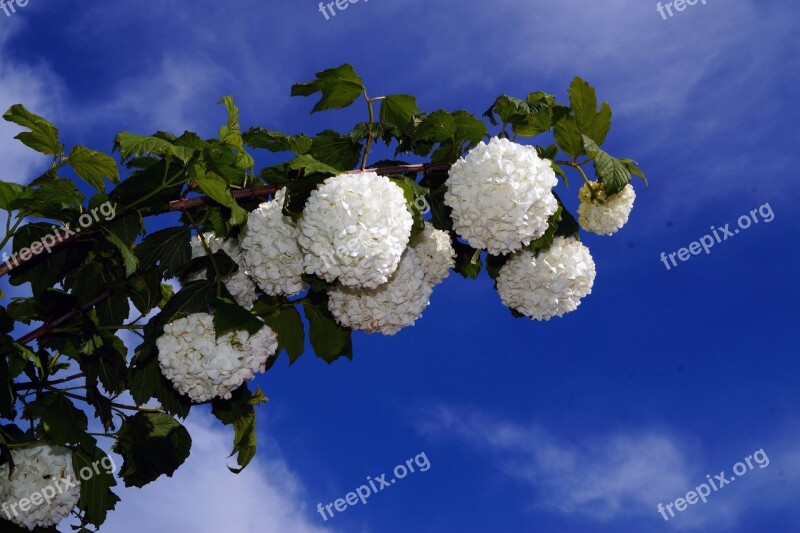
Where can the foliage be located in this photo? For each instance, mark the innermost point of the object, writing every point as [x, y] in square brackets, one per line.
[84, 289]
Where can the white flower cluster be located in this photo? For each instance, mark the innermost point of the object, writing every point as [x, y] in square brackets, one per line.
[501, 195]
[239, 283]
[549, 284]
[388, 308]
[602, 214]
[354, 229]
[436, 252]
[204, 367]
[35, 469]
[270, 250]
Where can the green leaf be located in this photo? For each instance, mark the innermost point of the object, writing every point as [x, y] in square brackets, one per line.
[151, 444]
[468, 260]
[96, 496]
[286, 322]
[194, 297]
[545, 241]
[469, 129]
[568, 136]
[114, 310]
[93, 166]
[610, 171]
[583, 104]
[412, 191]
[231, 134]
[311, 165]
[167, 250]
[146, 290]
[336, 150]
[634, 169]
[7, 398]
[230, 316]
[329, 340]
[397, 113]
[144, 182]
[48, 269]
[9, 192]
[339, 86]
[217, 188]
[240, 412]
[131, 145]
[61, 421]
[275, 141]
[439, 126]
[42, 137]
[129, 260]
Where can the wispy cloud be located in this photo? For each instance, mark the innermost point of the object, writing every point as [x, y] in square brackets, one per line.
[619, 475]
[42, 91]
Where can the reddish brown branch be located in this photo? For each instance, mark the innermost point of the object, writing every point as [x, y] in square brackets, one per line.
[184, 204]
[47, 327]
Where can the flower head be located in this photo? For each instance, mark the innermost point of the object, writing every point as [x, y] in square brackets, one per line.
[270, 250]
[389, 308]
[604, 215]
[204, 367]
[501, 195]
[354, 229]
[549, 284]
[35, 469]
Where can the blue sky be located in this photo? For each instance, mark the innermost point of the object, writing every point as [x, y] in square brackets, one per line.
[581, 424]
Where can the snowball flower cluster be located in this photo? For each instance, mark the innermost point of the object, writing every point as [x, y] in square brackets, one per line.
[501, 195]
[549, 284]
[270, 250]
[238, 283]
[435, 250]
[354, 229]
[602, 214]
[388, 308]
[35, 469]
[204, 367]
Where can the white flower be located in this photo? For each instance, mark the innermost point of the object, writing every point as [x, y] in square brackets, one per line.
[239, 283]
[388, 308]
[501, 195]
[354, 229]
[35, 469]
[204, 367]
[549, 284]
[270, 250]
[436, 252]
[604, 215]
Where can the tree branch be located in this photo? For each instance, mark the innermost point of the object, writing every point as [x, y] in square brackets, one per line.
[184, 204]
[188, 203]
[48, 326]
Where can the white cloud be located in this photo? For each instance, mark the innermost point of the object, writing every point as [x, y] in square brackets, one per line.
[621, 475]
[204, 497]
[36, 87]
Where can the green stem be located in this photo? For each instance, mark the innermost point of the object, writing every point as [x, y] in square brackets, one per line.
[117, 405]
[9, 230]
[368, 146]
